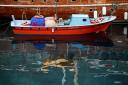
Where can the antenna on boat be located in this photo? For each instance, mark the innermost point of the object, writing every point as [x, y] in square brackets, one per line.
[24, 14]
[38, 11]
[114, 7]
[56, 15]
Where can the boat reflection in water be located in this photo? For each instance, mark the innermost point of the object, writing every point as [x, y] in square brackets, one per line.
[96, 39]
[63, 60]
[68, 50]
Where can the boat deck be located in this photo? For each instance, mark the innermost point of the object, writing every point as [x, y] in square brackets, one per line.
[27, 23]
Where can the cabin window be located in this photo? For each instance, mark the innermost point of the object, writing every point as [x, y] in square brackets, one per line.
[84, 20]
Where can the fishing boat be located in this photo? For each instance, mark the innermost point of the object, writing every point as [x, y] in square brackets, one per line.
[77, 24]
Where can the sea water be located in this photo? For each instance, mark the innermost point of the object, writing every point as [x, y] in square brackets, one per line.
[101, 60]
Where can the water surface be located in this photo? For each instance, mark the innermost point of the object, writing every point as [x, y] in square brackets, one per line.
[96, 59]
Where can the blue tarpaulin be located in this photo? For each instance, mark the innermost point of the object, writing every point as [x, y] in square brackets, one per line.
[37, 21]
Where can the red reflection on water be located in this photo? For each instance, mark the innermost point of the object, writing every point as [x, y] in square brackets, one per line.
[91, 39]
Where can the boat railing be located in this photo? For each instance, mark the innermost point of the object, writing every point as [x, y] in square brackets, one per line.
[13, 18]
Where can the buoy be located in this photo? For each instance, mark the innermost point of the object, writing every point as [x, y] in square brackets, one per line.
[95, 14]
[125, 15]
[104, 10]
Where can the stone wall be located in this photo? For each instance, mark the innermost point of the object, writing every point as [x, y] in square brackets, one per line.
[62, 12]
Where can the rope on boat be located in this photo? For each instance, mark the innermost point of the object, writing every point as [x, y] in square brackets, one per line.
[24, 16]
[82, 5]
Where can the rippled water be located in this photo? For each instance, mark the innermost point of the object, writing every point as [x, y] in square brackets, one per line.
[99, 60]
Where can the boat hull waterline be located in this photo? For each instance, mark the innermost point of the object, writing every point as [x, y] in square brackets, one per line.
[78, 30]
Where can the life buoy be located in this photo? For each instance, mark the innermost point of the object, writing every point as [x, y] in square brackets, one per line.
[94, 21]
[25, 23]
[98, 20]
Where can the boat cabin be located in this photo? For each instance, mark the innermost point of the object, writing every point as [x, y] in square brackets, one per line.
[79, 19]
[75, 20]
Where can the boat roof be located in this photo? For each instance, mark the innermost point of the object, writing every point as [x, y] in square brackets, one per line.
[80, 15]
